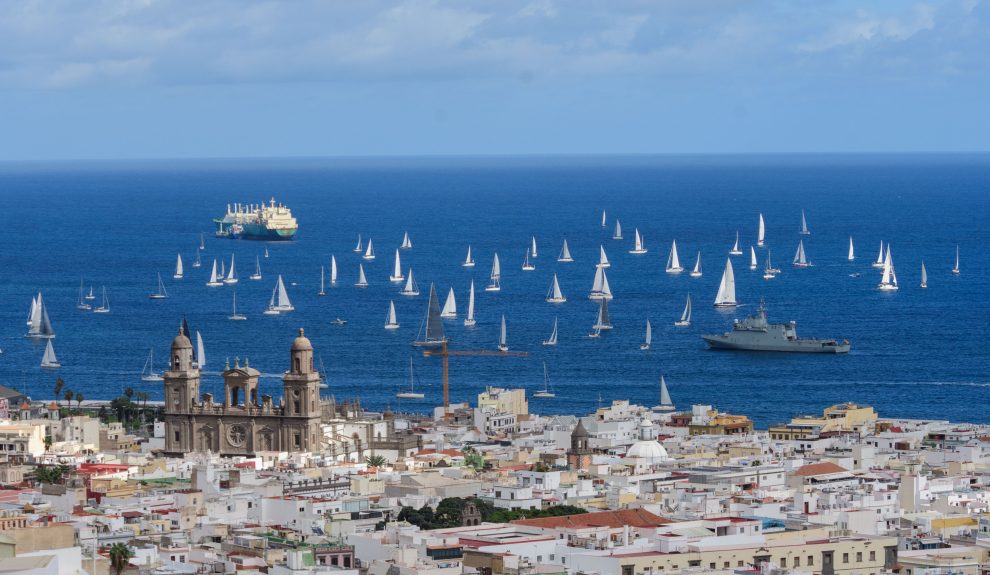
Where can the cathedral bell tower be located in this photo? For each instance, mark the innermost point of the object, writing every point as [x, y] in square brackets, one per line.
[181, 390]
[301, 399]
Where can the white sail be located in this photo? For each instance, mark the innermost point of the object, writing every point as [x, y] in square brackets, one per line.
[602, 258]
[496, 268]
[617, 235]
[600, 288]
[390, 320]
[888, 281]
[527, 265]
[469, 320]
[606, 291]
[333, 270]
[800, 259]
[686, 314]
[924, 275]
[468, 261]
[726, 296]
[752, 258]
[879, 261]
[852, 253]
[178, 267]
[257, 269]
[282, 302]
[532, 249]
[231, 274]
[161, 293]
[449, 306]
[411, 288]
[735, 247]
[322, 282]
[603, 219]
[762, 232]
[696, 272]
[41, 326]
[358, 249]
[554, 295]
[503, 342]
[406, 242]
[49, 360]
[198, 262]
[602, 322]
[552, 340]
[34, 314]
[362, 280]
[200, 352]
[397, 276]
[638, 245]
[665, 402]
[673, 262]
[648, 340]
[804, 225]
[214, 279]
[369, 253]
[955, 270]
[565, 254]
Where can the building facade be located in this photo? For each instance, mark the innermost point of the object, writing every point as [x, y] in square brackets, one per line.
[242, 423]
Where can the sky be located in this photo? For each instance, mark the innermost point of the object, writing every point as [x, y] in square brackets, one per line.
[117, 79]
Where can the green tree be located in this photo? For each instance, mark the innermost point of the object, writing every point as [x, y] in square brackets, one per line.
[376, 461]
[450, 511]
[79, 400]
[68, 397]
[48, 443]
[51, 474]
[119, 556]
[129, 393]
[59, 386]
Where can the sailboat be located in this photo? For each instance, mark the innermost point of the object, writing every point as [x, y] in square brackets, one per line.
[546, 392]
[266, 253]
[761, 233]
[323, 290]
[617, 234]
[362, 281]
[685, 315]
[673, 262]
[412, 393]
[495, 276]
[202, 242]
[469, 320]
[602, 322]
[391, 322]
[323, 375]
[503, 342]
[40, 325]
[178, 268]
[280, 299]
[804, 226]
[532, 249]
[552, 340]
[410, 288]
[105, 306]
[148, 372]
[257, 269]
[638, 244]
[161, 293]
[800, 259]
[924, 275]
[214, 279]
[752, 258]
[333, 270]
[554, 295]
[888, 281]
[81, 304]
[369, 253]
[527, 266]
[358, 248]
[406, 242]
[602, 258]
[198, 262]
[565, 254]
[852, 253]
[200, 351]
[433, 333]
[90, 296]
[600, 289]
[604, 224]
[234, 316]
[468, 261]
[879, 261]
[955, 270]
[649, 337]
[665, 403]
[735, 251]
[49, 361]
[397, 276]
[449, 310]
[696, 272]
[726, 296]
[223, 271]
[768, 271]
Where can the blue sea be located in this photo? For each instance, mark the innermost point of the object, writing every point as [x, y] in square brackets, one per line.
[915, 352]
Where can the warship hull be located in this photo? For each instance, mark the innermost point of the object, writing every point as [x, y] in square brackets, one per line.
[721, 342]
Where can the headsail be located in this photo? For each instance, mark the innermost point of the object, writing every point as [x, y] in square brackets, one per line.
[726, 296]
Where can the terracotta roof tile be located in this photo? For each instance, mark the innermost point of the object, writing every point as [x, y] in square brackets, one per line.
[824, 468]
[612, 519]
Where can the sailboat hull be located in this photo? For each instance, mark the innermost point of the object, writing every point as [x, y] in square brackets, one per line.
[409, 395]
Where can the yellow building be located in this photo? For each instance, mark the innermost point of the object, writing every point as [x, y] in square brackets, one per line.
[836, 419]
[505, 400]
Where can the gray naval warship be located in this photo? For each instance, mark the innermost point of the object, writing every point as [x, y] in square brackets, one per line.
[756, 334]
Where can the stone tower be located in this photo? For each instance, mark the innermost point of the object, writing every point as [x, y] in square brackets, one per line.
[181, 390]
[301, 397]
[579, 455]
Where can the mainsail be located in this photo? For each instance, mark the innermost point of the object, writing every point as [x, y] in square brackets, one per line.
[726, 296]
[449, 306]
[433, 324]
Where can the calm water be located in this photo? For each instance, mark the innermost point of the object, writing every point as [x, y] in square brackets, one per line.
[917, 353]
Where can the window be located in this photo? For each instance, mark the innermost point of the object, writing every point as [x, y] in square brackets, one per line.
[797, 561]
[739, 563]
[711, 565]
[811, 560]
[627, 570]
[859, 557]
[725, 565]
[783, 561]
[873, 555]
[177, 436]
[845, 558]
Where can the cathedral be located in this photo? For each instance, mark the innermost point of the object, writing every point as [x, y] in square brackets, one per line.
[241, 424]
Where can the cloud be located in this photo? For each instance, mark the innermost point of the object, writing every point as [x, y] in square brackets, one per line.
[865, 27]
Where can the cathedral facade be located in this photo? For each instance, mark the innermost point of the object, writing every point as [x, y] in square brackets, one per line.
[241, 423]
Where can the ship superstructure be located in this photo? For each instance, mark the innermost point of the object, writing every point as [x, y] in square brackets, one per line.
[269, 221]
[755, 333]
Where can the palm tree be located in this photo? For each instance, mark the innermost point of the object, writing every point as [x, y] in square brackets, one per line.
[119, 555]
[129, 392]
[375, 461]
[68, 397]
[79, 400]
[59, 386]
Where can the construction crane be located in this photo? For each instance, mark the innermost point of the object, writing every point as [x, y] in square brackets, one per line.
[444, 353]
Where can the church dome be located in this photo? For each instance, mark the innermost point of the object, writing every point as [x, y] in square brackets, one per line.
[301, 343]
[648, 449]
[181, 341]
